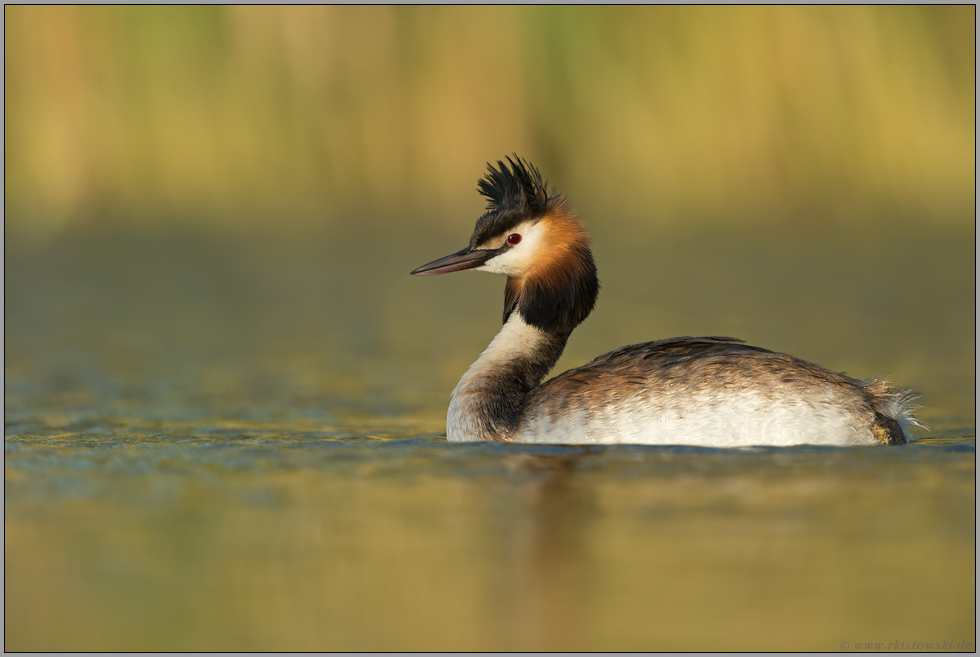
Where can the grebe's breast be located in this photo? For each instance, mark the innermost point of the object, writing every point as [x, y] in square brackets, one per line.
[711, 392]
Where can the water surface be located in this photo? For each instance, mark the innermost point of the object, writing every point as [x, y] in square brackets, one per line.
[214, 444]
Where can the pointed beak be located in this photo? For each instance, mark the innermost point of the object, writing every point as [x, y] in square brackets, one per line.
[464, 259]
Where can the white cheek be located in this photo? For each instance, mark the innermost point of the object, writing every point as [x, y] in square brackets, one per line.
[517, 260]
[503, 264]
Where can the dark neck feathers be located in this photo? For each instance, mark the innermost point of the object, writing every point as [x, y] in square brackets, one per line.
[505, 390]
[557, 297]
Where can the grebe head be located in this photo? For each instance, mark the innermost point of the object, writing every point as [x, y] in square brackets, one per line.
[534, 239]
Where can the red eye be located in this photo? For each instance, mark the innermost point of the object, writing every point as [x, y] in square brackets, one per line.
[514, 238]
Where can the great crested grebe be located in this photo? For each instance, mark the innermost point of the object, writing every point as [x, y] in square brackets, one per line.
[709, 391]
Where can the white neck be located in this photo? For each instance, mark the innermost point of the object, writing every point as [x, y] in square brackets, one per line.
[488, 401]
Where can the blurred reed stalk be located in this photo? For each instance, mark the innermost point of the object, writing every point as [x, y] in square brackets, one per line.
[298, 115]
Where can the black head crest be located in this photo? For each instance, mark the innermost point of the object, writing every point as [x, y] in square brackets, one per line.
[514, 193]
[519, 186]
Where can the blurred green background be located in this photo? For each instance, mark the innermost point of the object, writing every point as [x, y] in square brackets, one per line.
[293, 116]
[225, 398]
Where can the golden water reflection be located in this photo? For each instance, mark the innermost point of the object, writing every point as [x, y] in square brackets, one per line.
[220, 444]
[499, 549]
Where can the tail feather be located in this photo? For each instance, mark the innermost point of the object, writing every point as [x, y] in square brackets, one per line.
[893, 411]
